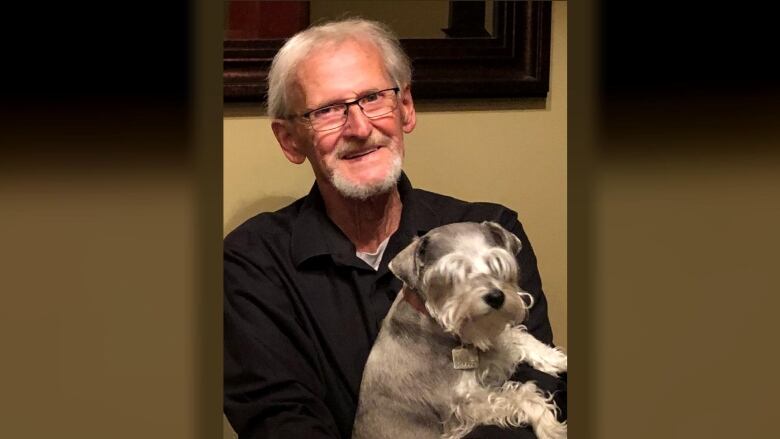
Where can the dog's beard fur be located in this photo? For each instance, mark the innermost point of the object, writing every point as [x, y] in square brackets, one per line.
[455, 288]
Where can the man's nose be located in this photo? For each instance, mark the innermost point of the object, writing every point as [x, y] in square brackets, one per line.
[358, 125]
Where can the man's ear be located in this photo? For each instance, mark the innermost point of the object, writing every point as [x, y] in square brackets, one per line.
[408, 115]
[283, 130]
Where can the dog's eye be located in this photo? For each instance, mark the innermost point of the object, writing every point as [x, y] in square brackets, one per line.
[500, 266]
[495, 266]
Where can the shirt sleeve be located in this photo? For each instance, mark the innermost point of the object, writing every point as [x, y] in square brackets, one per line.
[272, 388]
[538, 321]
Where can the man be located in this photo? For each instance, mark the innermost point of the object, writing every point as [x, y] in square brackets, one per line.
[306, 287]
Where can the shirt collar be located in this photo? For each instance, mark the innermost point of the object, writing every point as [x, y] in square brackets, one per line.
[417, 216]
[313, 231]
[314, 234]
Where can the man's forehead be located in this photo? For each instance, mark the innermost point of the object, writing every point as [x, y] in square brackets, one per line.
[339, 71]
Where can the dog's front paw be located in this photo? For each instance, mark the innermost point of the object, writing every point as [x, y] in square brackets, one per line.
[553, 363]
[553, 430]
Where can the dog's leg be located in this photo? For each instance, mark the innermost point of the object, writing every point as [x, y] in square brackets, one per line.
[526, 348]
[514, 404]
[528, 404]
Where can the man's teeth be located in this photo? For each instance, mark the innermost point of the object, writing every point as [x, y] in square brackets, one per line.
[360, 154]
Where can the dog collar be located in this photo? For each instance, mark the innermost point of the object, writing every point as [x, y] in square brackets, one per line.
[465, 357]
[413, 298]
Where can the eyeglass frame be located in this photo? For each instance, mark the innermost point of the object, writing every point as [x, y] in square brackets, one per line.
[356, 101]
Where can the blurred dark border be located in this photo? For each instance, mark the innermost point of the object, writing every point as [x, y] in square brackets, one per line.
[701, 74]
[582, 38]
[678, 231]
[106, 110]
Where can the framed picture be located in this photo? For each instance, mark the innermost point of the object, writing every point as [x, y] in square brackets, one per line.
[484, 48]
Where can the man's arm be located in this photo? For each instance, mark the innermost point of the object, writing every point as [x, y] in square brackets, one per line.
[538, 321]
[271, 385]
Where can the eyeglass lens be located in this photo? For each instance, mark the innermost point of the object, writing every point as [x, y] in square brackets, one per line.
[373, 106]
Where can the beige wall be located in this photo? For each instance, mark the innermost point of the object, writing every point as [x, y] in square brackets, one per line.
[516, 157]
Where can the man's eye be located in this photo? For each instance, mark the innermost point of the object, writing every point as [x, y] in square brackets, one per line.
[325, 112]
[371, 98]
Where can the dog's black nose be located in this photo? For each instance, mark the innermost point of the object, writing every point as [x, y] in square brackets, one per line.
[495, 298]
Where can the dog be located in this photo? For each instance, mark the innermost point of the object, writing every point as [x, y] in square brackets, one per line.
[451, 340]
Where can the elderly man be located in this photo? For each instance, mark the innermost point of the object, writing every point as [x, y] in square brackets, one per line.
[306, 287]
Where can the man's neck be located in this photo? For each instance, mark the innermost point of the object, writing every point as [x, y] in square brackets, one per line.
[365, 222]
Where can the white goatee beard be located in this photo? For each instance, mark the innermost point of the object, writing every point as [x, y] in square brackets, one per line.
[362, 192]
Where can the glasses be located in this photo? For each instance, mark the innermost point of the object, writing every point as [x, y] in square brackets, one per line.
[376, 104]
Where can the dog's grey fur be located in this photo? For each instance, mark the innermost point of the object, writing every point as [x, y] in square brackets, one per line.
[410, 388]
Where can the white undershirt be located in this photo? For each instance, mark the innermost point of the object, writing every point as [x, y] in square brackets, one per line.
[373, 259]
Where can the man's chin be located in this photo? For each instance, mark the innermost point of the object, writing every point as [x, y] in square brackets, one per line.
[356, 188]
[361, 191]
[364, 190]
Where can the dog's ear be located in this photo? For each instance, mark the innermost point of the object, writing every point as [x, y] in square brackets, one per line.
[503, 237]
[406, 264]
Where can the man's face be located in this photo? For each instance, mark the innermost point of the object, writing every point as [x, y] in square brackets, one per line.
[363, 157]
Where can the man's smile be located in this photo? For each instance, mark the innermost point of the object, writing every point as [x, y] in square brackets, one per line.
[358, 154]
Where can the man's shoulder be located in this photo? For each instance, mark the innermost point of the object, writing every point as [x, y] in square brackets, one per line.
[264, 226]
[451, 209]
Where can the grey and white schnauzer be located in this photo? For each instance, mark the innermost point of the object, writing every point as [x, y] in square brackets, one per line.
[452, 338]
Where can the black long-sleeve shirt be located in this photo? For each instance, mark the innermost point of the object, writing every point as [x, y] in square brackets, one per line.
[302, 311]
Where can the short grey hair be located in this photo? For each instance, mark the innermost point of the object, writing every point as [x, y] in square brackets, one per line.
[282, 74]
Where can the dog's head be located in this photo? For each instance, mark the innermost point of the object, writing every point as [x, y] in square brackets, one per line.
[468, 277]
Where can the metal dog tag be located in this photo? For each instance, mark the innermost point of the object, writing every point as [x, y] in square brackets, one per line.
[465, 358]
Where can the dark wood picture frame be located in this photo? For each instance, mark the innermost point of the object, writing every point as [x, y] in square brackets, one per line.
[513, 62]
